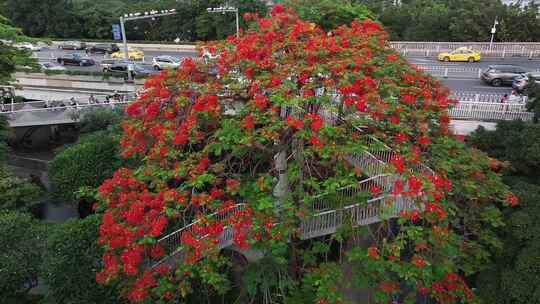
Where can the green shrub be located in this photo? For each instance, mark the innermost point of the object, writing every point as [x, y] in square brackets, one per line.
[86, 163]
[22, 239]
[70, 264]
[16, 193]
[100, 119]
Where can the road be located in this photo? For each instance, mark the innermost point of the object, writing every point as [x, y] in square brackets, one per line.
[472, 84]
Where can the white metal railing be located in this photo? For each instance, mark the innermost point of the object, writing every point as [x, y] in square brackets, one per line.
[463, 96]
[522, 49]
[172, 242]
[319, 224]
[360, 214]
[446, 71]
[489, 111]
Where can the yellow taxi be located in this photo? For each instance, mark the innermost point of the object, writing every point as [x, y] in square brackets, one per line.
[460, 54]
[133, 54]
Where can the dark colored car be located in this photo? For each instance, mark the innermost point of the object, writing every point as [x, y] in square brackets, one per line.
[503, 74]
[72, 45]
[121, 69]
[103, 48]
[75, 59]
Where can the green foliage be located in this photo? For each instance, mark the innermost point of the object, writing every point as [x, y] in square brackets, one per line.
[508, 278]
[17, 194]
[22, 239]
[5, 134]
[533, 104]
[93, 19]
[100, 119]
[515, 141]
[87, 163]
[451, 20]
[329, 14]
[10, 56]
[70, 264]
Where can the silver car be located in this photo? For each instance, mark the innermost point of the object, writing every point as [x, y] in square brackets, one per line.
[520, 82]
[166, 62]
[51, 67]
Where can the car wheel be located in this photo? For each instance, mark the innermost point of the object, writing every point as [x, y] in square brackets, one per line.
[156, 67]
[496, 82]
[446, 59]
[61, 62]
[81, 63]
[105, 70]
[471, 60]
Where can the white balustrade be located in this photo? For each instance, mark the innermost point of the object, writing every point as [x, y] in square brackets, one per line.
[489, 111]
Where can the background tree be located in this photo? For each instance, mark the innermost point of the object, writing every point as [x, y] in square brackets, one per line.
[10, 56]
[22, 239]
[70, 263]
[329, 14]
[508, 277]
[453, 20]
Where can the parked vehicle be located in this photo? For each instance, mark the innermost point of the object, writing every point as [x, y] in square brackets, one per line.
[520, 82]
[28, 46]
[133, 54]
[166, 62]
[72, 45]
[502, 74]
[120, 69]
[103, 48]
[51, 67]
[75, 59]
[460, 54]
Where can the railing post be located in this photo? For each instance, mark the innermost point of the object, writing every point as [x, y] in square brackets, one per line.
[531, 55]
[476, 97]
[445, 73]
[479, 72]
[504, 52]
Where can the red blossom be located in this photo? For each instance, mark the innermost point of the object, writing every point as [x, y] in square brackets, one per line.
[512, 200]
[247, 123]
[418, 261]
[261, 102]
[373, 252]
[315, 141]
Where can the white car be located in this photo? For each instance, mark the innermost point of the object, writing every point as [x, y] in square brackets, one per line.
[166, 62]
[51, 67]
[28, 46]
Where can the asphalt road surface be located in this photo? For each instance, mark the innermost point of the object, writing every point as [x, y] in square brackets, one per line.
[472, 84]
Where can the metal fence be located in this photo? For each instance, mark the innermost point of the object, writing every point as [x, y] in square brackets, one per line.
[452, 71]
[488, 111]
[463, 96]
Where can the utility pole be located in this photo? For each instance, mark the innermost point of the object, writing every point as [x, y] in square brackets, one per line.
[126, 52]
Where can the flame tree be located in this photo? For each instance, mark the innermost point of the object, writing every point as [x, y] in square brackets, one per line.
[245, 142]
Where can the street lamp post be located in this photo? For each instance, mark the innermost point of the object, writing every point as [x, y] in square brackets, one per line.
[224, 10]
[136, 16]
[493, 31]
